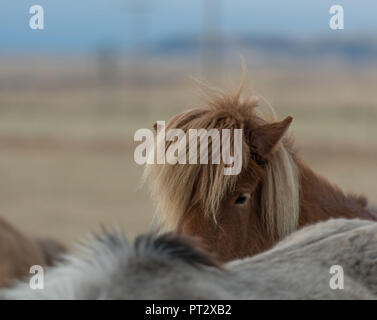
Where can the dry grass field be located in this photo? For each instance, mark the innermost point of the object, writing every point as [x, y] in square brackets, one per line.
[66, 140]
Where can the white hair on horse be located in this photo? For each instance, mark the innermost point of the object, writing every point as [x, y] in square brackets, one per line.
[171, 267]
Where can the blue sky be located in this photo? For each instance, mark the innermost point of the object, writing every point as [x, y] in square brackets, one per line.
[81, 25]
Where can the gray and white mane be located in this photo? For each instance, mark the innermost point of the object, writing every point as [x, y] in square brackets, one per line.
[171, 267]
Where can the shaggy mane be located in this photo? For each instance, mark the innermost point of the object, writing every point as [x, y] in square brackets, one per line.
[181, 187]
[174, 247]
[152, 245]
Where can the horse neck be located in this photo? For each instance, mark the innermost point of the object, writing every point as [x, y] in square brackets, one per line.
[321, 200]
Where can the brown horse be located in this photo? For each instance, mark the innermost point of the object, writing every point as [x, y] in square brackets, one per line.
[19, 252]
[274, 194]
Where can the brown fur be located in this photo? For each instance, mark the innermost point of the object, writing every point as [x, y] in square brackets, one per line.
[19, 252]
[282, 192]
[320, 199]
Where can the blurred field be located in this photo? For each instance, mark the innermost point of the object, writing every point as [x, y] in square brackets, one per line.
[66, 134]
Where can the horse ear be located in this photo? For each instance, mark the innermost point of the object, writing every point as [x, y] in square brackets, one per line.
[265, 138]
[155, 127]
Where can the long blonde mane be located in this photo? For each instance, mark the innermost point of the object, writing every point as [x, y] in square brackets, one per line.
[180, 187]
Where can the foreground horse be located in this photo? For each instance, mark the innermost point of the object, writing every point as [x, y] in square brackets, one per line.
[241, 215]
[170, 267]
[19, 252]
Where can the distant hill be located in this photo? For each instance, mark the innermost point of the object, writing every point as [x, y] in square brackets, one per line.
[355, 49]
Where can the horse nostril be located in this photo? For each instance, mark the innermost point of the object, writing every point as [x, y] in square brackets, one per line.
[242, 198]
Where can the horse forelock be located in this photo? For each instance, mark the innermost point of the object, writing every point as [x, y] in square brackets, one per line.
[178, 188]
[280, 199]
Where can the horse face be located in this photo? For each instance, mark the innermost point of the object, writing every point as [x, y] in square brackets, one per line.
[239, 229]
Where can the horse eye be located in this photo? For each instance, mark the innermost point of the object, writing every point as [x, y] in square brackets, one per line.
[242, 198]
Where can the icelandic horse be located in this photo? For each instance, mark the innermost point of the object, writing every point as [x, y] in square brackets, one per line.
[275, 193]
